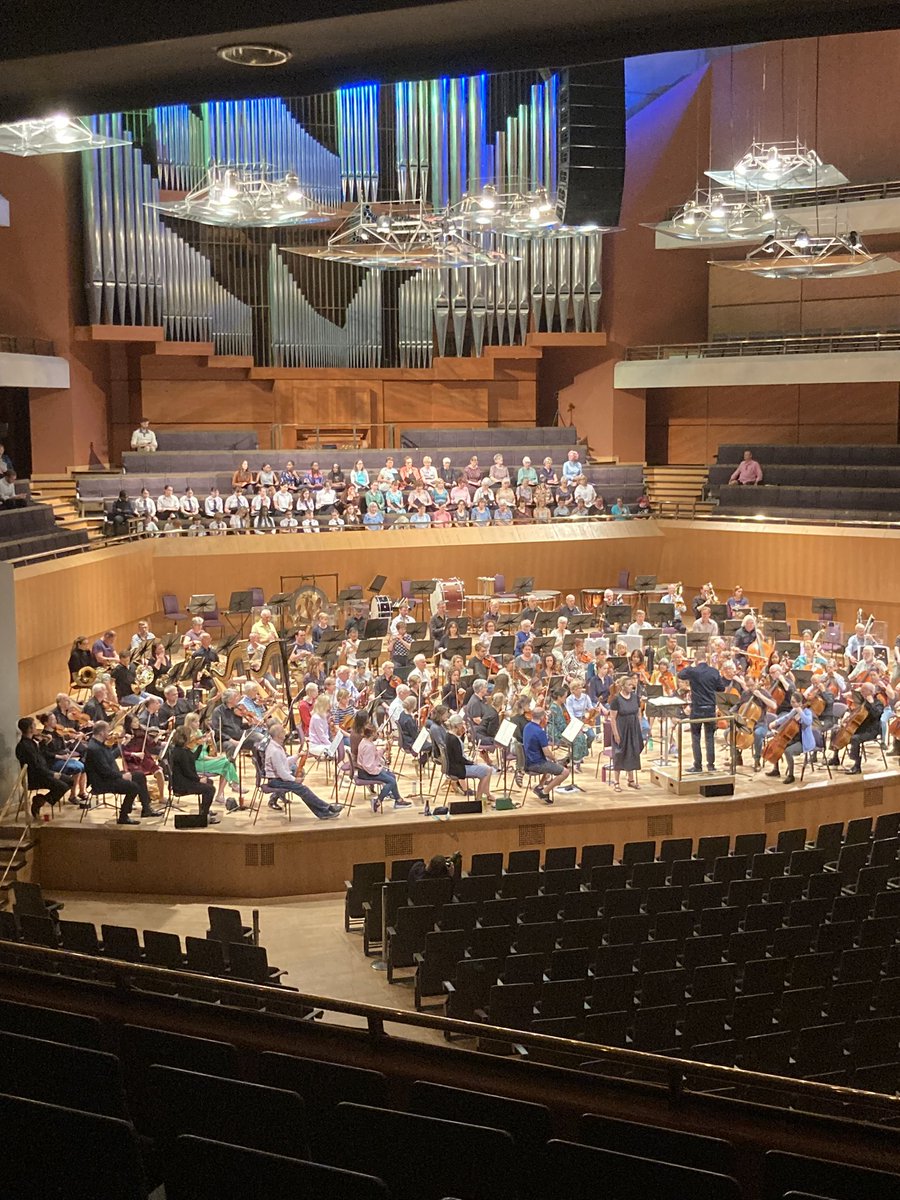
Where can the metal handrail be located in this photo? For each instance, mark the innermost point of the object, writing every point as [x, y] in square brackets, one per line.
[678, 1072]
[847, 193]
[753, 347]
[766, 519]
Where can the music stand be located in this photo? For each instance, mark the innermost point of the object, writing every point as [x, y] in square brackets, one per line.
[201, 604]
[719, 613]
[421, 589]
[240, 602]
[581, 623]
[368, 648]
[417, 630]
[377, 584]
[730, 627]
[503, 645]
[541, 645]
[350, 593]
[789, 647]
[776, 628]
[661, 614]
[697, 638]
[376, 627]
[460, 646]
[775, 610]
[825, 608]
[523, 585]
[544, 620]
[507, 620]
[618, 614]
[504, 739]
[644, 583]
[568, 735]
[423, 739]
[422, 646]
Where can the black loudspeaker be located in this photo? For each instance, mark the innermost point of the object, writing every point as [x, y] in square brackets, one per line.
[717, 789]
[191, 821]
[459, 807]
[592, 142]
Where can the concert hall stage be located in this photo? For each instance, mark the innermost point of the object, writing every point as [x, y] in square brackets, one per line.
[239, 860]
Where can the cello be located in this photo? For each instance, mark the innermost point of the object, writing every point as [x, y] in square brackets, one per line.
[850, 723]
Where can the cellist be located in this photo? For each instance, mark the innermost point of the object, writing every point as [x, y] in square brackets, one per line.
[867, 727]
[803, 741]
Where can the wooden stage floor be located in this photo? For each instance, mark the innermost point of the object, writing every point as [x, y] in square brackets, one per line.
[305, 856]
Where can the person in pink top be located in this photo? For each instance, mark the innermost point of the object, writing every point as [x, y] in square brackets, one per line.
[748, 470]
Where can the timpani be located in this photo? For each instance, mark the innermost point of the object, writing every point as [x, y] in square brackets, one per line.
[508, 604]
[486, 585]
[591, 597]
[544, 600]
[477, 606]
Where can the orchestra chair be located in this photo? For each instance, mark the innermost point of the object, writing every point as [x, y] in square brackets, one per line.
[354, 781]
[808, 761]
[529, 773]
[261, 788]
[876, 742]
[172, 610]
[104, 800]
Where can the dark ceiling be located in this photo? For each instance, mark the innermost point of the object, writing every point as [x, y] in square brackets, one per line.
[93, 57]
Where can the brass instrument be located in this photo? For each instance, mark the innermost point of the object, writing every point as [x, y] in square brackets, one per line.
[87, 676]
[713, 598]
[679, 603]
[143, 676]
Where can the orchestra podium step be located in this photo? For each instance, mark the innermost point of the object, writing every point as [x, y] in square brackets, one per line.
[666, 777]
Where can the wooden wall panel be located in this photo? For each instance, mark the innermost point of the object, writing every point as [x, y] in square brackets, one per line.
[860, 435]
[740, 319]
[56, 602]
[732, 432]
[677, 404]
[190, 403]
[753, 405]
[850, 403]
[738, 287]
[688, 444]
[858, 312]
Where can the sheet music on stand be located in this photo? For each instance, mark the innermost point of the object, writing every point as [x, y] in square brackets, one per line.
[335, 743]
[505, 734]
[423, 739]
[568, 735]
[665, 707]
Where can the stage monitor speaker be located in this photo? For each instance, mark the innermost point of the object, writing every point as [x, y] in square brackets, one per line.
[191, 821]
[459, 808]
[592, 143]
[716, 789]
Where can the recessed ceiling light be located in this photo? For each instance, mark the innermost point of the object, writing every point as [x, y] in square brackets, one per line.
[255, 55]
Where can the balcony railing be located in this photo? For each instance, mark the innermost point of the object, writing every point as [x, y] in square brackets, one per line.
[837, 343]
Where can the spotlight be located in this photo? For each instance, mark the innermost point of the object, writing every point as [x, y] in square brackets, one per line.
[801, 241]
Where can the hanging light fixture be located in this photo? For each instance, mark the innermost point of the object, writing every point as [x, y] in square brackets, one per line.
[710, 217]
[59, 134]
[247, 197]
[779, 166]
[403, 236]
[801, 255]
[505, 212]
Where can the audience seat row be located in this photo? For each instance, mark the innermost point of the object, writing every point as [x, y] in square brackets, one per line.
[812, 455]
[554, 436]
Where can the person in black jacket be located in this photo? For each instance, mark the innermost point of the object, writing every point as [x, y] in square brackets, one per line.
[39, 775]
[705, 682]
[185, 781]
[460, 767]
[106, 777]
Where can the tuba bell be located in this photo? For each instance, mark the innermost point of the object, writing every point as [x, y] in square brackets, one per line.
[86, 677]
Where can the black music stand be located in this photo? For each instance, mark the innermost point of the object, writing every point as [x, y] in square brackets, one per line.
[417, 630]
[775, 610]
[644, 583]
[461, 646]
[503, 645]
[240, 605]
[776, 629]
[201, 605]
[825, 608]
[618, 614]
[375, 627]
[581, 623]
[507, 620]
[719, 613]
[523, 585]
[422, 645]
[377, 584]
[697, 639]
[368, 648]
[541, 645]
[661, 614]
[350, 593]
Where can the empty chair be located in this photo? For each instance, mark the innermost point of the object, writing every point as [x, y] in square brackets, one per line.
[704, 1020]
[486, 864]
[364, 880]
[807, 912]
[876, 1041]
[820, 1052]
[523, 968]
[812, 970]
[824, 885]
[527, 1124]
[607, 1029]
[704, 895]
[471, 990]
[437, 961]
[784, 889]
[202, 1169]
[568, 964]
[226, 925]
[121, 941]
[613, 960]
[764, 975]
[750, 844]
[807, 862]
[579, 905]
[769, 1053]
[142, 1047]
[879, 931]
[499, 912]
[38, 931]
[658, 1143]
[458, 916]
[861, 963]
[476, 889]
[766, 866]
[744, 946]
[858, 830]
[539, 938]
[784, 1173]
[657, 956]
[80, 937]
[559, 881]
[660, 988]
[523, 860]
[723, 1053]
[30, 901]
[676, 925]
[55, 1073]
[711, 848]
[800, 1007]
[792, 940]
[463, 1159]
[406, 937]
[851, 907]
[714, 982]
[586, 1172]
[790, 840]
[242, 1114]
[74, 1029]
[542, 908]
[703, 951]
[763, 916]
[510, 1006]
[608, 876]
[205, 956]
[886, 826]
[252, 963]
[752, 1015]
[828, 839]
[646, 875]
[719, 921]
[495, 941]
[163, 949]
[835, 936]
[431, 892]
[613, 993]
[676, 849]
[621, 902]
[636, 852]
[600, 855]
[744, 892]
[849, 1001]
[628, 930]
[520, 884]
[586, 932]
[654, 1028]
[687, 871]
[87, 1155]
[564, 998]
[559, 858]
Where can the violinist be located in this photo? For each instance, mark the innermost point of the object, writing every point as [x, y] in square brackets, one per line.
[372, 767]
[140, 752]
[322, 731]
[453, 693]
[458, 766]
[479, 664]
[175, 707]
[106, 778]
[208, 763]
[408, 725]
[67, 713]
[524, 634]
[149, 716]
[868, 730]
[62, 759]
[421, 679]
[227, 726]
[576, 660]
[96, 708]
[600, 679]
[46, 785]
[343, 681]
[578, 707]
[186, 780]
[386, 684]
[526, 662]
[483, 717]
[559, 637]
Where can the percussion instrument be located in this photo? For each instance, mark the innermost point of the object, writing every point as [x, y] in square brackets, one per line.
[380, 608]
[477, 606]
[544, 600]
[486, 585]
[590, 598]
[453, 592]
[507, 604]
